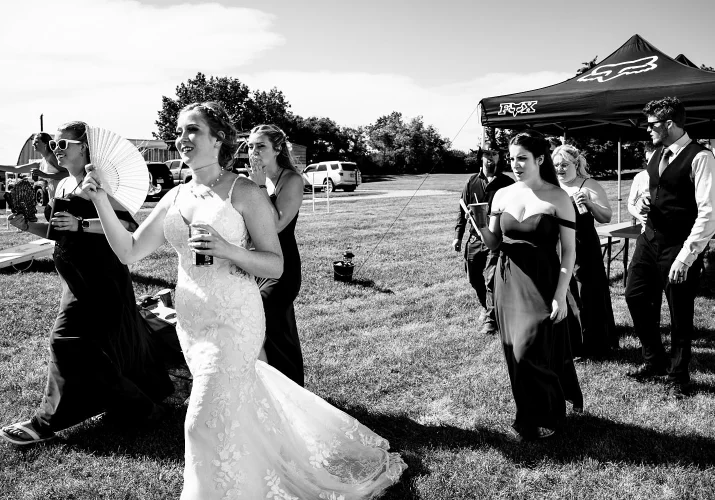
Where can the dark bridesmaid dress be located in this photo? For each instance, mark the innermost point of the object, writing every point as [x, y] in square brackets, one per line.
[537, 351]
[102, 357]
[594, 333]
[282, 342]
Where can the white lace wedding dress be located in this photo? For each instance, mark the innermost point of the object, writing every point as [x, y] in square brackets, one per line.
[251, 433]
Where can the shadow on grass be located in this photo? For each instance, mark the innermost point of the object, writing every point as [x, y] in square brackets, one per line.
[365, 283]
[377, 178]
[163, 442]
[36, 266]
[583, 437]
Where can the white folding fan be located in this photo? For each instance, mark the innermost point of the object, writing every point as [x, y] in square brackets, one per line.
[121, 167]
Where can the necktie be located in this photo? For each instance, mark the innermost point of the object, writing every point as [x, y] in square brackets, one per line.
[667, 153]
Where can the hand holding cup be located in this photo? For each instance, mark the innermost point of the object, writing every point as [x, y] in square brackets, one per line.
[479, 213]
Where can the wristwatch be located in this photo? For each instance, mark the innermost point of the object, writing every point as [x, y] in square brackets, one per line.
[82, 224]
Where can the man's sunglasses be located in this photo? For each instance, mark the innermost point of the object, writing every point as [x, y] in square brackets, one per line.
[62, 144]
[652, 124]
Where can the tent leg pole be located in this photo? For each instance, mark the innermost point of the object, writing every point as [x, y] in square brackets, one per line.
[619, 180]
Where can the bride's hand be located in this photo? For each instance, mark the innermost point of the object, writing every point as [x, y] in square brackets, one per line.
[209, 244]
[92, 184]
[559, 309]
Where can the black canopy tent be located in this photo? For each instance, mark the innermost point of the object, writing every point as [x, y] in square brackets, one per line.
[607, 100]
[682, 59]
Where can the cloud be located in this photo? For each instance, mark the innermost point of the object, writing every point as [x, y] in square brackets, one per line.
[112, 60]
[353, 99]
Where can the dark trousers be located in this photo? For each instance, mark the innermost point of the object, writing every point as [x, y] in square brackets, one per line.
[647, 278]
[480, 264]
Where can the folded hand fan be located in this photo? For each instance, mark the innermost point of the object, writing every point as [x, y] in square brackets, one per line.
[24, 201]
[120, 166]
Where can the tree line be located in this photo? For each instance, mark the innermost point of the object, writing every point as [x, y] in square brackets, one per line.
[392, 144]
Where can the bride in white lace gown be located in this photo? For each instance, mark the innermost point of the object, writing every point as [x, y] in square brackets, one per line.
[250, 431]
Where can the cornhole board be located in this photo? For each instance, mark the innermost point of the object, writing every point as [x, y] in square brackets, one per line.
[29, 251]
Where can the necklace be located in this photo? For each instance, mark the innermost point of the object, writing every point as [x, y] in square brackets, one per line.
[208, 191]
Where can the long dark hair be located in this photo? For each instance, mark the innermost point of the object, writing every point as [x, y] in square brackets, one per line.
[280, 143]
[536, 144]
[218, 120]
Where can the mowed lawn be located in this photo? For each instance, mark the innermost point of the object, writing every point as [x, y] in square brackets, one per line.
[399, 349]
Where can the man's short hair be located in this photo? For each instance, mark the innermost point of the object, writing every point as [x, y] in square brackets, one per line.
[667, 108]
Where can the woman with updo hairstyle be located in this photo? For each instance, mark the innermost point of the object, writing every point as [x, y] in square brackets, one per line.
[271, 167]
[250, 431]
[102, 357]
[529, 219]
[593, 333]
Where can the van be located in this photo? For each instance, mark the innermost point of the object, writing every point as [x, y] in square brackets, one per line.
[332, 175]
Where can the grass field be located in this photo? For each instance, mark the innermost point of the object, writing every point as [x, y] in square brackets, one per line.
[398, 348]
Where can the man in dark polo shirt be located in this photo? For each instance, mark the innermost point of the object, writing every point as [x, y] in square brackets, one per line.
[479, 261]
[679, 225]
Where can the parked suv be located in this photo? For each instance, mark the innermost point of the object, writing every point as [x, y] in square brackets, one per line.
[160, 180]
[332, 175]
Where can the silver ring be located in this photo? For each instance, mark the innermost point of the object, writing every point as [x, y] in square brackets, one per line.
[204, 244]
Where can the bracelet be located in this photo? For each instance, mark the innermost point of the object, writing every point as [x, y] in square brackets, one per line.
[263, 186]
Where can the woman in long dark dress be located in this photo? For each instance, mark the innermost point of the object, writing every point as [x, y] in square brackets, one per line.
[101, 355]
[273, 170]
[594, 334]
[528, 220]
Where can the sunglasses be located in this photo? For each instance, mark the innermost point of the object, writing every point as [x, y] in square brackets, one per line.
[62, 144]
[652, 124]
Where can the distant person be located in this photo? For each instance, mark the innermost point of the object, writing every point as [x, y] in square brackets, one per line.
[589, 284]
[667, 256]
[639, 195]
[101, 356]
[46, 168]
[271, 167]
[529, 220]
[479, 261]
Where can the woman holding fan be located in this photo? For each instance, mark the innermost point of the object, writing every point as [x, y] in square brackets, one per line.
[101, 355]
[272, 169]
[250, 432]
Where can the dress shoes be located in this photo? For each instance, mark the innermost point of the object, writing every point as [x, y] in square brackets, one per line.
[647, 371]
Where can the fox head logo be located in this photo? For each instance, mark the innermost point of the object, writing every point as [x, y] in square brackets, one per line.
[611, 71]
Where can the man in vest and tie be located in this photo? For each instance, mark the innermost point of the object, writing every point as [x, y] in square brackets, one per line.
[679, 225]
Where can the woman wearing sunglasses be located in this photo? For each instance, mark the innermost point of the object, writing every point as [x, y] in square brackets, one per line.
[101, 358]
[46, 168]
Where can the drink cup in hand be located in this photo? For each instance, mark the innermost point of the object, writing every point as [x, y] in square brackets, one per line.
[581, 207]
[479, 213]
[200, 259]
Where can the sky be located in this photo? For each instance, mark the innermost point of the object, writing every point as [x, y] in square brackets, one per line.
[109, 62]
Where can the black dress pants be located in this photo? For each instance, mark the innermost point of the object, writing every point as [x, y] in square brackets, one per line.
[647, 279]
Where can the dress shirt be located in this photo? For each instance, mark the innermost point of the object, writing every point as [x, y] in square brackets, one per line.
[639, 188]
[701, 173]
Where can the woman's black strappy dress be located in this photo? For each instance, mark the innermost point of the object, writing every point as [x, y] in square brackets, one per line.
[282, 342]
[102, 357]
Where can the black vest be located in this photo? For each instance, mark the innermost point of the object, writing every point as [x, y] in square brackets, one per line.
[672, 196]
